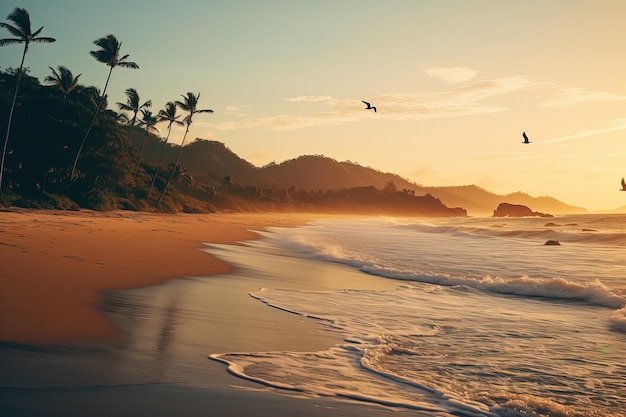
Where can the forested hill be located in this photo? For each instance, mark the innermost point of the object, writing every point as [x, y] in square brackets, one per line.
[206, 158]
[310, 172]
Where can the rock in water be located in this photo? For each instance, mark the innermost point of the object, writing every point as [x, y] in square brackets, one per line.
[516, 210]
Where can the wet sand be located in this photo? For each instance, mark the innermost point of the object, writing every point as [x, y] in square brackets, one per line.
[94, 323]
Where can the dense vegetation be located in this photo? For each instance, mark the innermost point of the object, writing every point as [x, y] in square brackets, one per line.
[66, 149]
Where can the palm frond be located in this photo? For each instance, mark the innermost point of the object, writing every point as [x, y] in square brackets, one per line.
[43, 40]
[21, 18]
[35, 33]
[100, 56]
[10, 41]
[13, 30]
[128, 65]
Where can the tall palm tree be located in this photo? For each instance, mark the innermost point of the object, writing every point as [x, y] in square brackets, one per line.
[109, 54]
[64, 80]
[168, 115]
[190, 105]
[132, 105]
[148, 121]
[22, 32]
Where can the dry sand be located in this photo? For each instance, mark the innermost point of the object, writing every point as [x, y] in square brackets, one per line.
[54, 264]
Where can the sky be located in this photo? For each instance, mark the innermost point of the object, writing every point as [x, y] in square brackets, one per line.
[455, 82]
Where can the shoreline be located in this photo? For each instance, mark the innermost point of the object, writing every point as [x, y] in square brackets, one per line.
[141, 342]
[57, 264]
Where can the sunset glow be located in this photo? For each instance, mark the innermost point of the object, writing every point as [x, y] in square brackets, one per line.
[455, 83]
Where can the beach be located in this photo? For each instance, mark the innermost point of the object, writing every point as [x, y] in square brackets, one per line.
[97, 316]
[125, 313]
[56, 263]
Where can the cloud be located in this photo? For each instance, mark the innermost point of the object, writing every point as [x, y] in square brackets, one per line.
[461, 100]
[616, 124]
[452, 75]
[569, 97]
[312, 99]
[235, 109]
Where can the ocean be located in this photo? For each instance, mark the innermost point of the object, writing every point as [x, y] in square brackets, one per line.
[481, 317]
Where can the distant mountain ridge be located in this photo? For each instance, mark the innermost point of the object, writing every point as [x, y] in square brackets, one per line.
[212, 159]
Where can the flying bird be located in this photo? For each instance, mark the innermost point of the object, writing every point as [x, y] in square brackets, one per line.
[526, 140]
[623, 185]
[369, 106]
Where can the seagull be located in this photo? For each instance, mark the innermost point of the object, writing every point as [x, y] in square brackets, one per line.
[369, 106]
[623, 185]
[526, 141]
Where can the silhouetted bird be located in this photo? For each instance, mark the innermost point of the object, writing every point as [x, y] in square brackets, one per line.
[369, 106]
[623, 185]
[525, 138]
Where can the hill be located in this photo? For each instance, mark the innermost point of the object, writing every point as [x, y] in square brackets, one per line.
[212, 159]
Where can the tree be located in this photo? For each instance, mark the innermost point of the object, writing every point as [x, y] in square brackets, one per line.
[108, 54]
[168, 115]
[22, 32]
[132, 105]
[190, 105]
[64, 80]
[148, 121]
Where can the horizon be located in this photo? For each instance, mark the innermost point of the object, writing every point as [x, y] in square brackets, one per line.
[455, 84]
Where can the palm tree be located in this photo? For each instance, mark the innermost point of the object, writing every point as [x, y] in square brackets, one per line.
[109, 54]
[132, 105]
[168, 115]
[64, 80]
[148, 121]
[21, 30]
[190, 105]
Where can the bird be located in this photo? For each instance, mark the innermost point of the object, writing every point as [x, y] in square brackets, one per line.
[369, 106]
[623, 185]
[526, 140]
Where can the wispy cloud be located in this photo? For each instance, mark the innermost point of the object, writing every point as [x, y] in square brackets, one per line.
[452, 75]
[313, 99]
[462, 100]
[615, 125]
[569, 97]
[235, 109]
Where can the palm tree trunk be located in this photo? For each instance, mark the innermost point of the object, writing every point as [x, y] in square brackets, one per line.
[140, 152]
[130, 132]
[6, 139]
[156, 173]
[169, 179]
[93, 121]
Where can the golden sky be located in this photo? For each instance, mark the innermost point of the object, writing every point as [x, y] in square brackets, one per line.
[455, 83]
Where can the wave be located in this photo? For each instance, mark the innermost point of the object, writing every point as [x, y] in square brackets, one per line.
[593, 292]
[549, 231]
[618, 320]
[589, 292]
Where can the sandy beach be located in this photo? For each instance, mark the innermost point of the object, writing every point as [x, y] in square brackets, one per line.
[54, 264]
[85, 329]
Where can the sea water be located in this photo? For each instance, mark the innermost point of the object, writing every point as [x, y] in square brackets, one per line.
[485, 319]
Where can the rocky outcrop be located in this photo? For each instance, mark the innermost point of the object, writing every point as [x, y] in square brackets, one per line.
[516, 210]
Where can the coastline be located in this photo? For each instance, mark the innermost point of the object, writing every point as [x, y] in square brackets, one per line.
[55, 264]
[121, 345]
